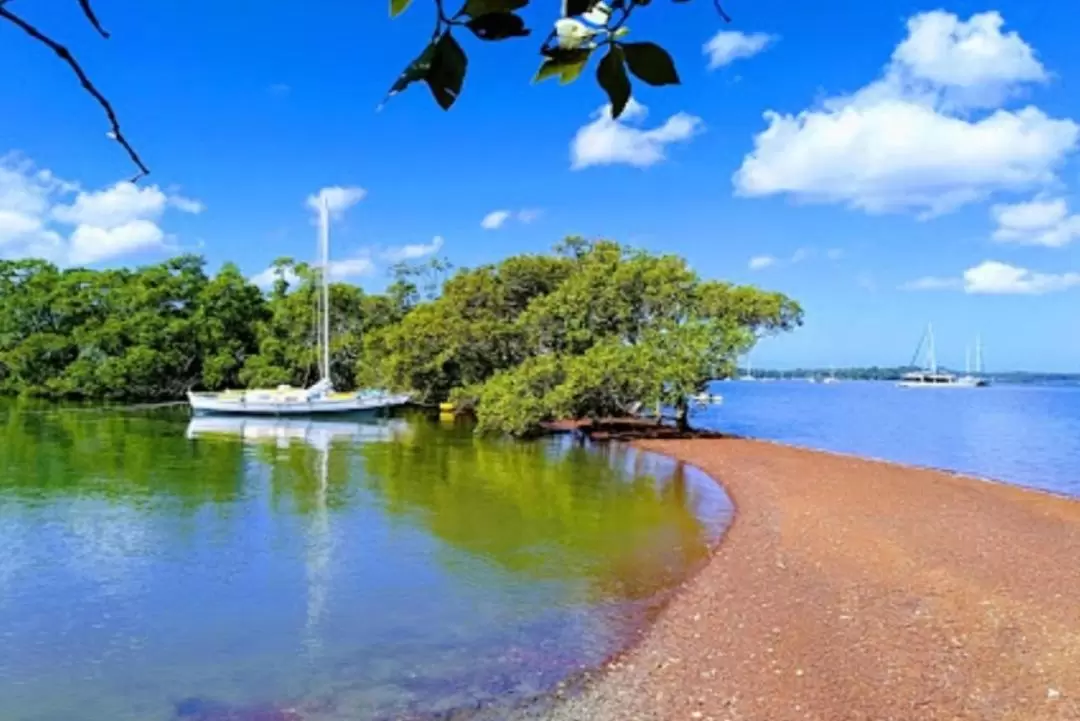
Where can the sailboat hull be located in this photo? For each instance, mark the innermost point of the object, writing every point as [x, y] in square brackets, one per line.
[245, 404]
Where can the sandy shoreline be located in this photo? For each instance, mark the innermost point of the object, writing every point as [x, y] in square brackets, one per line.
[857, 589]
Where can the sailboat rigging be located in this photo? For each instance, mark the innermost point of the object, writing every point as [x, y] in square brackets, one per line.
[321, 397]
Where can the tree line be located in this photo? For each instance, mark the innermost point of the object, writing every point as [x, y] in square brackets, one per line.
[590, 329]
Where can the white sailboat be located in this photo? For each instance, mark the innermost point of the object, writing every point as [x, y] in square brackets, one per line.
[319, 398]
[831, 378]
[977, 380]
[931, 377]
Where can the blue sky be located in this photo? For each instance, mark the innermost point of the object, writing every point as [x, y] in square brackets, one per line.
[868, 196]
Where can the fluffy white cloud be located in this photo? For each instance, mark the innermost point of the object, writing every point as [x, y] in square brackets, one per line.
[973, 61]
[605, 141]
[498, 218]
[834, 253]
[354, 267]
[338, 199]
[760, 262]
[992, 277]
[90, 244]
[495, 219]
[112, 222]
[121, 204]
[726, 47]
[414, 251]
[906, 142]
[1042, 221]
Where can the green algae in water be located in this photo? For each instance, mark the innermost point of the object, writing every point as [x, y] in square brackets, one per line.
[159, 567]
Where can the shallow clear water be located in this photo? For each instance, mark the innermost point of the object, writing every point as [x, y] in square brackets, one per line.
[152, 569]
[1026, 435]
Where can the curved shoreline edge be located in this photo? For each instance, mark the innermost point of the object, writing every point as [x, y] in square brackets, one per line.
[850, 588]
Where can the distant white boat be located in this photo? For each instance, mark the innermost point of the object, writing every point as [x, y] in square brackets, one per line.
[704, 400]
[931, 377]
[831, 378]
[976, 380]
[319, 398]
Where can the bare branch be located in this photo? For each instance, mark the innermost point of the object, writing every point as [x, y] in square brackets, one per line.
[64, 54]
[89, 13]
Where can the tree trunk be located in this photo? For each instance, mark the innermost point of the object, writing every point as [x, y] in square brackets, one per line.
[682, 416]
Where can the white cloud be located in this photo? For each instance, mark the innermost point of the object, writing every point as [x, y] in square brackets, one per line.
[187, 205]
[498, 218]
[414, 251]
[1041, 221]
[905, 142]
[528, 215]
[605, 141]
[726, 47]
[973, 61]
[354, 267]
[760, 262]
[338, 199]
[357, 266]
[495, 219]
[266, 278]
[279, 90]
[931, 282]
[834, 253]
[121, 204]
[866, 281]
[801, 254]
[90, 244]
[108, 223]
[992, 277]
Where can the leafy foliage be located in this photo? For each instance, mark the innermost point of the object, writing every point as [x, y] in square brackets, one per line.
[157, 331]
[592, 329]
[581, 27]
[588, 331]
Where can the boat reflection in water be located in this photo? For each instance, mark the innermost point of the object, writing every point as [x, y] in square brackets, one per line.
[282, 431]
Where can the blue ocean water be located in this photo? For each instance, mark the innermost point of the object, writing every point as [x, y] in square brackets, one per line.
[1024, 435]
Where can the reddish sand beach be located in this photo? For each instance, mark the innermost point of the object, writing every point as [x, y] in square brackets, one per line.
[851, 589]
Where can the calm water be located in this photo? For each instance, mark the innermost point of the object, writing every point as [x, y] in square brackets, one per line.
[1027, 435]
[152, 569]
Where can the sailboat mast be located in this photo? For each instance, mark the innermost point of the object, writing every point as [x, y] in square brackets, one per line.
[324, 278]
[978, 354]
[930, 347]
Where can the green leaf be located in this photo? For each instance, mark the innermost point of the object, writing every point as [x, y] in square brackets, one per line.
[611, 74]
[567, 64]
[398, 6]
[446, 74]
[416, 70]
[476, 8]
[498, 26]
[651, 63]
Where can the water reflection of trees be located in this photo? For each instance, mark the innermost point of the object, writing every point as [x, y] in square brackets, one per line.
[549, 509]
[49, 452]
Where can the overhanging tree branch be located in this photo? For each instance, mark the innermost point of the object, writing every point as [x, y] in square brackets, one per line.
[89, 13]
[65, 55]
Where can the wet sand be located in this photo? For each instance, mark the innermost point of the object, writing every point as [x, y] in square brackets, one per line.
[852, 589]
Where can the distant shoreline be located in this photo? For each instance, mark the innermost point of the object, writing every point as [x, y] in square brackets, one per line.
[853, 588]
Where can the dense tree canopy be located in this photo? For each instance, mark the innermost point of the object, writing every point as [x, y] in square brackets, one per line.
[588, 331]
[591, 329]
